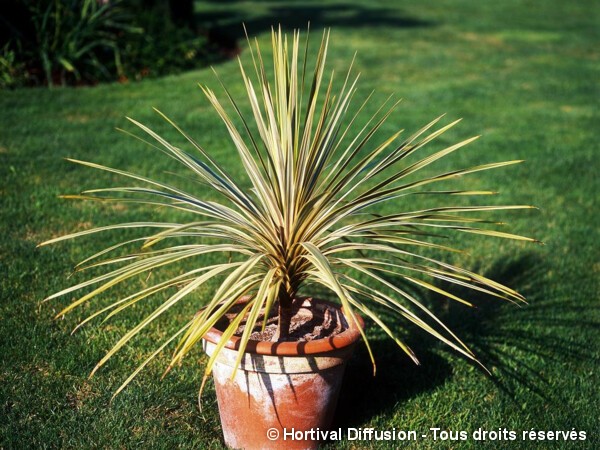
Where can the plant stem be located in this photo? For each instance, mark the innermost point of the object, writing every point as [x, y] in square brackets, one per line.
[286, 299]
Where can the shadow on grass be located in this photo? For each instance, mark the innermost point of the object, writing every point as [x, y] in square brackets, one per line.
[398, 379]
[508, 339]
[513, 342]
[226, 26]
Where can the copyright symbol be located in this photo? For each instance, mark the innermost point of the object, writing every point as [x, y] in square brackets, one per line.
[272, 434]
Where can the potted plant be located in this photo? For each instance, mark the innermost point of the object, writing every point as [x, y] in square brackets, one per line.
[307, 215]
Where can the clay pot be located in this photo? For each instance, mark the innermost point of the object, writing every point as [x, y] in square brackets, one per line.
[281, 386]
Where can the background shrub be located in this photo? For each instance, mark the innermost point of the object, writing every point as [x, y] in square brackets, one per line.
[169, 44]
[12, 71]
[67, 42]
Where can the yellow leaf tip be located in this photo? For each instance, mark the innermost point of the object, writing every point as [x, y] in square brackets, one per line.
[93, 372]
[166, 372]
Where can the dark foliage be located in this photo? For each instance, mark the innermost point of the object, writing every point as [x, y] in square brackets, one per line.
[72, 42]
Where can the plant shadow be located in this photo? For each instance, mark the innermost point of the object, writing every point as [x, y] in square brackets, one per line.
[512, 342]
[398, 379]
[226, 27]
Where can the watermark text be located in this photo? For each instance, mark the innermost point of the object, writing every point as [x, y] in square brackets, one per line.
[433, 434]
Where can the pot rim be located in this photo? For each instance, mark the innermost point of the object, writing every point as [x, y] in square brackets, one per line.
[344, 339]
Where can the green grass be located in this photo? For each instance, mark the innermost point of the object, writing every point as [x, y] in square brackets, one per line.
[522, 74]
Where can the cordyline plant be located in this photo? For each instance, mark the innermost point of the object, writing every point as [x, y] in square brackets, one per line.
[310, 217]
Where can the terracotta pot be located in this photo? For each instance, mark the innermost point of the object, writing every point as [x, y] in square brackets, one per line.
[281, 386]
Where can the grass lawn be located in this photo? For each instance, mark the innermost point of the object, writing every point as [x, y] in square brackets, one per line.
[524, 75]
